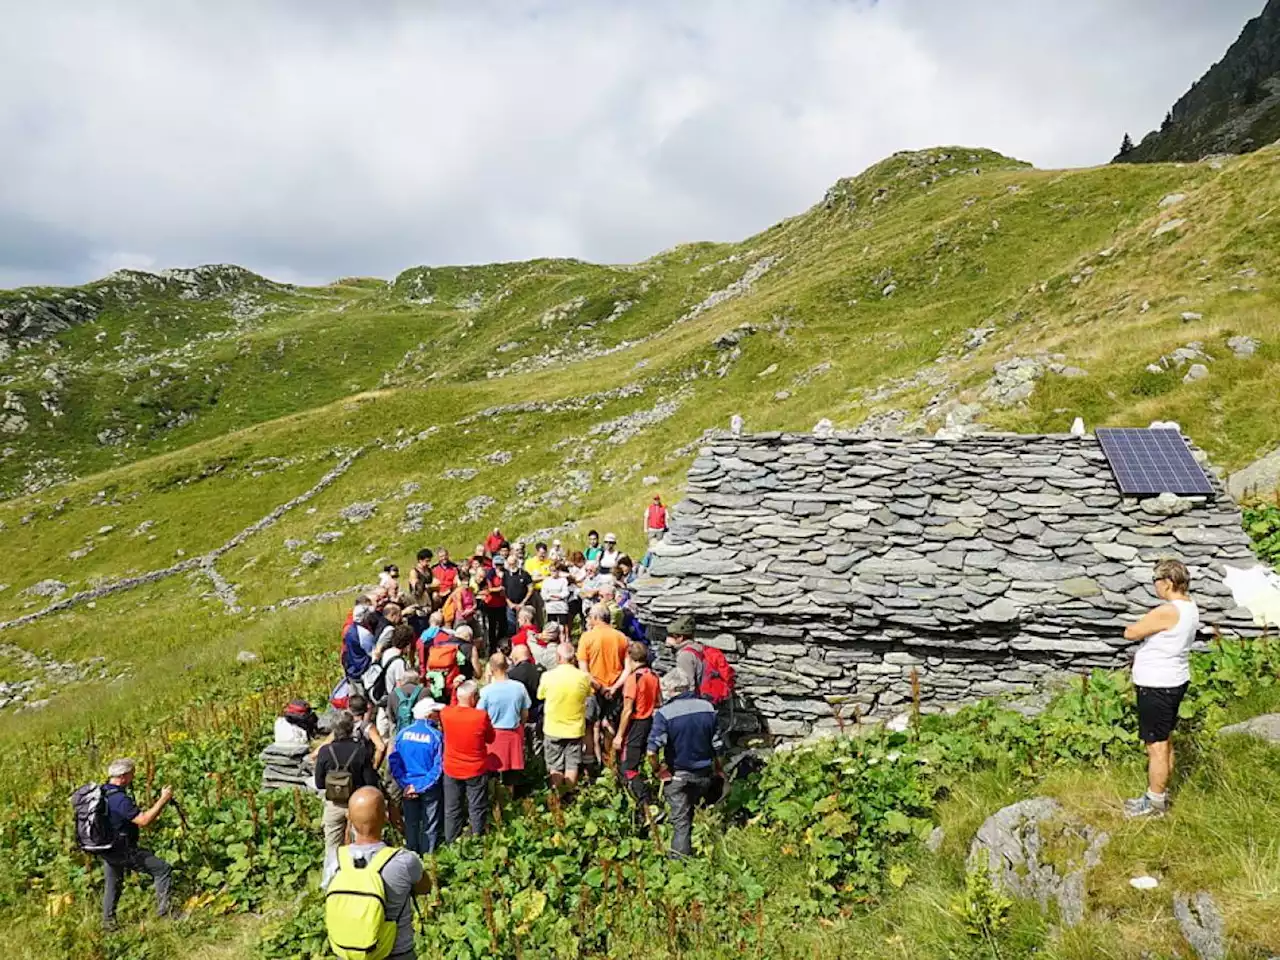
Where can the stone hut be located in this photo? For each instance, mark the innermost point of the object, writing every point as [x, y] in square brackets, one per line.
[831, 568]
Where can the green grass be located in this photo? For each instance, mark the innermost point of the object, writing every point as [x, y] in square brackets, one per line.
[275, 400]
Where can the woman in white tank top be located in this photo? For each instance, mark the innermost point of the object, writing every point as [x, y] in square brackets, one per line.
[1161, 672]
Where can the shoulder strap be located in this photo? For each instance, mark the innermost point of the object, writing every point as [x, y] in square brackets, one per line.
[344, 859]
[344, 765]
[382, 857]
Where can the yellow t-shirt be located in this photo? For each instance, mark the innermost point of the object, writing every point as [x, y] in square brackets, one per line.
[538, 569]
[565, 690]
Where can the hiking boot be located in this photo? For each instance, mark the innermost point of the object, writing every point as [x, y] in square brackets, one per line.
[1144, 806]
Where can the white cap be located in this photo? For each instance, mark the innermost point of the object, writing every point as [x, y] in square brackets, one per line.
[610, 538]
[425, 708]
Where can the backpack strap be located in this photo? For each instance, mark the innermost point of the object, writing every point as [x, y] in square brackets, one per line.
[345, 765]
[345, 862]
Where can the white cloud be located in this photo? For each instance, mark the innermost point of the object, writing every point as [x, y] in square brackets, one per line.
[304, 139]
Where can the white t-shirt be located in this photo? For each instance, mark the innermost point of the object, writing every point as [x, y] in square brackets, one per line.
[286, 732]
[393, 665]
[555, 594]
[609, 558]
[1163, 660]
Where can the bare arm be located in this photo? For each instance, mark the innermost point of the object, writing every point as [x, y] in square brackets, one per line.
[1163, 617]
[147, 817]
[628, 707]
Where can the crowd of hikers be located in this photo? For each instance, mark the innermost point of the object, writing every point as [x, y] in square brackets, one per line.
[518, 668]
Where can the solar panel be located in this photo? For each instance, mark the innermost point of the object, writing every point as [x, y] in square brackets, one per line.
[1152, 462]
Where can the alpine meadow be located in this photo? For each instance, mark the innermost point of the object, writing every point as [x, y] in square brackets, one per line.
[203, 467]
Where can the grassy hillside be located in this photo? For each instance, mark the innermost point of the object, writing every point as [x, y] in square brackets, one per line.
[151, 426]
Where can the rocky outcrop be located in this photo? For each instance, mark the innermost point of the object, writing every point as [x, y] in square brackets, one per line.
[1035, 852]
[1265, 726]
[833, 570]
[1233, 108]
[1259, 479]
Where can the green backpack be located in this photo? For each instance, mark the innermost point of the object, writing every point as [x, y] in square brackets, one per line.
[355, 908]
[404, 705]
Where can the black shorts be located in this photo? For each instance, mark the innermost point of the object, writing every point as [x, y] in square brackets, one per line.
[1158, 712]
[604, 709]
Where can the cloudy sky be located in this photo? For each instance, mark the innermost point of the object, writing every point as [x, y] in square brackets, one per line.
[307, 142]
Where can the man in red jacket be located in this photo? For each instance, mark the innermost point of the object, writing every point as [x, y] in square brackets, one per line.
[467, 735]
[655, 519]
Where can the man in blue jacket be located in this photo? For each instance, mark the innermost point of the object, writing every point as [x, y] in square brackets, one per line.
[417, 764]
[685, 730]
[357, 646]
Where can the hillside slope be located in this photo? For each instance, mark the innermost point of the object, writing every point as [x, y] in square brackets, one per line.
[948, 285]
[1233, 108]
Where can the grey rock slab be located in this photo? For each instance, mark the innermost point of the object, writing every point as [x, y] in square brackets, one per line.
[1260, 478]
[1000, 610]
[1010, 845]
[1039, 572]
[1201, 923]
[1266, 726]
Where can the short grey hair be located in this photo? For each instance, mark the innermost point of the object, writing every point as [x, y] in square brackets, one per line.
[409, 676]
[565, 652]
[463, 633]
[122, 767]
[675, 683]
[600, 612]
[468, 690]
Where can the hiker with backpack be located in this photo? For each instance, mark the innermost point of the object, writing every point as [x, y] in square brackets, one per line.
[409, 689]
[712, 675]
[417, 764]
[343, 766]
[684, 750]
[450, 660]
[108, 822]
[368, 908]
[641, 694]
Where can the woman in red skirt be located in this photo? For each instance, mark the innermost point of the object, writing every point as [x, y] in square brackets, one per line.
[507, 703]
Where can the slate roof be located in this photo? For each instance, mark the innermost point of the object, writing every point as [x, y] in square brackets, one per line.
[993, 542]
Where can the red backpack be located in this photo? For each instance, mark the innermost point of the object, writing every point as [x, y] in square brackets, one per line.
[717, 674]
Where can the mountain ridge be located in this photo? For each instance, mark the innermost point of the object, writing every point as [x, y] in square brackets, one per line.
[1233, 108]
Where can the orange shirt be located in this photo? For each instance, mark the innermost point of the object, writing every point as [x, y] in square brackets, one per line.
[467, 734]
[605, 650]
[642, 687]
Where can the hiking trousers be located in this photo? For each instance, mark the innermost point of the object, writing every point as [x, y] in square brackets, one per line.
[422, 819]
[119, 863]
[683, 791]
[465, 800]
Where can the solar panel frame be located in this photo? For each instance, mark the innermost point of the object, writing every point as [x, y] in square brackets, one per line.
[1151, 461]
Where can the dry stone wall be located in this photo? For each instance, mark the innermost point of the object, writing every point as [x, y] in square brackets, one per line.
[833, 569]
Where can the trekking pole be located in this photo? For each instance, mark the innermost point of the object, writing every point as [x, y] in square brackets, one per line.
[182, 817]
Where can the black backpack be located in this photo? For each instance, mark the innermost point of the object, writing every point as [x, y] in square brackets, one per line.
[378, 688]
[93, 826]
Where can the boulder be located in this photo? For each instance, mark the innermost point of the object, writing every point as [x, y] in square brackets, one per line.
[1167, 505]
[1198, 371]
[246, 656]
[1243, 347]
[1265, 726]
[1260, 478]
[1033, 851]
